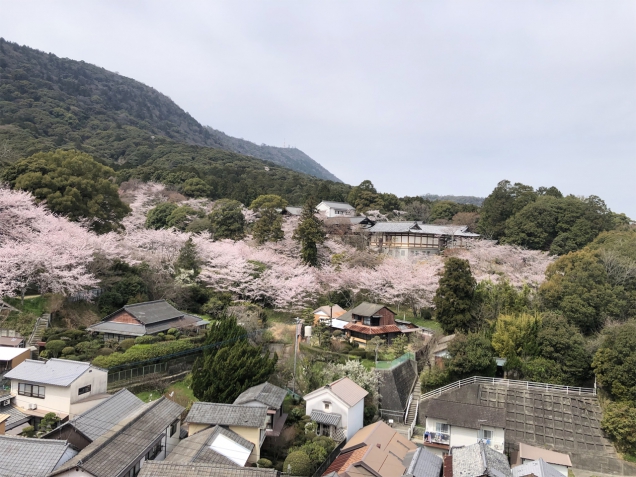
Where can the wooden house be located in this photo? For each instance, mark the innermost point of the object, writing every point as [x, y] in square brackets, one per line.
[368, 320]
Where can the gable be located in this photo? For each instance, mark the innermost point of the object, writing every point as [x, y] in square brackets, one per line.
[124, 317]
[320, 395]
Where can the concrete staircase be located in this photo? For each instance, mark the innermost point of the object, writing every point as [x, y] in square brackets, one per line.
[38, 331]
[411, 415]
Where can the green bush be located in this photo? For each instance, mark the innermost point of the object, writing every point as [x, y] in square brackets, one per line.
[360, 352]
[297, 463]
[148, 339]
[143, 353]
[619, 422]
[71, 357]
[127, 344]
[435, 378]
[264, 463]
[170, 338]
[105, 351]
[55, 347]
[83, 347]
[68, 350]
[173, 331]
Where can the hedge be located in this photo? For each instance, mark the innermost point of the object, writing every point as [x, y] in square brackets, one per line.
[143, 353]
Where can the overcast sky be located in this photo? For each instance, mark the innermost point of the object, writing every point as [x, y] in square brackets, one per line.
[444, 97]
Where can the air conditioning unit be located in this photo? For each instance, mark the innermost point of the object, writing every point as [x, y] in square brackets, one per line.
[6, 402]
[33, 407]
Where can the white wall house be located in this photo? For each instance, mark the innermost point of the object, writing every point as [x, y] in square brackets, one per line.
[336, 209]
[64, 387]
[337, 408]
[454, 424]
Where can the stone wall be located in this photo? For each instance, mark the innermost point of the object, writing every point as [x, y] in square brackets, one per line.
[396, 385]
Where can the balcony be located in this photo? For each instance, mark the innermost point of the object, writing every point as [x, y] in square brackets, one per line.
[439, 440]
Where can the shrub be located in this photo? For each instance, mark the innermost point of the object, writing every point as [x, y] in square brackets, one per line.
[433, 379]
[45, 354]
[360, 352]
[264, 463]
[619, 422]
[127, 344]
[148, 339]
[55, 347]
[28, 431]
[71, 357]
[105, 352]
[173, 331]
[143, 353]
[170, 338]
[337, 333]
[83, 347]
[68, 350]
[297, 463]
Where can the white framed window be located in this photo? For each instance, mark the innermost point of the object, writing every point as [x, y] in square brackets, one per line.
[31, 390]
[84, 390]
[485, 434]
[327, 406]
[442, 427]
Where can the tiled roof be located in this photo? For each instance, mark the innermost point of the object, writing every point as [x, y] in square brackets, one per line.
[22, 457]
[328, 418]
[10, 341]
[172, 469]
[96, 421]
[372, 330]
[118, 448]
[536, 468]
[420, 228]
[533, 453]
[479, 460]
[471, 416]
[57, 372]
[363, 309]
[294, 210]
[265, 393]
[196, 448]
[345, 459]
[153, 311]
[17, 417]
[128, 329]
[181, 322]
[337, 205]
[423, 463]
[345, 389]
[227, 415]
[331, 311]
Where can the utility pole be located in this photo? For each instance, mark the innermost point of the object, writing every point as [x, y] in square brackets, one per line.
[296, 321]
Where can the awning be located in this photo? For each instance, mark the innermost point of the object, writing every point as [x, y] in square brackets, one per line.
[329, 418]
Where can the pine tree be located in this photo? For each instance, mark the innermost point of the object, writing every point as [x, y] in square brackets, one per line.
[454, 297]
[225, 371]
[269, 227]
[188, 258]
[309, 233]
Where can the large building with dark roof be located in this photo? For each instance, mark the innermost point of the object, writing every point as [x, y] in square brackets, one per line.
[140, 319]
[21, 457]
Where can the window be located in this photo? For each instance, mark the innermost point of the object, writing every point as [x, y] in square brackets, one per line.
[327, 406]
[366, 320]
[154, 452]
[31, 390]
[135, 470]
[485, 434]
[270, 421]
[84, 390]
[173, 428]
[442, 427]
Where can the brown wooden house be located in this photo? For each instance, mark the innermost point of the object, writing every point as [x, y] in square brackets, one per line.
[368, 320]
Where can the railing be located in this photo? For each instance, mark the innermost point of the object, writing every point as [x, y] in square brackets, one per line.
[408, 407]
[412, 426]
[397, 416]
[510, 383]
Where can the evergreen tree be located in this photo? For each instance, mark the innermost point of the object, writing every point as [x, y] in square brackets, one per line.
[471, 355]
[228, 369]
[227, 220]
[309, 233]
[188, 258]
[454, 297]
[269, 227]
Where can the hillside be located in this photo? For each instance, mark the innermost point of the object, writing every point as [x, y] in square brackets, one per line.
[48, 102]
[459, 199]
[285, 156]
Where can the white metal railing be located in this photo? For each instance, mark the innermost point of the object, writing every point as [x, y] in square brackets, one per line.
[510, 383]
[412, 426]
[408, 407]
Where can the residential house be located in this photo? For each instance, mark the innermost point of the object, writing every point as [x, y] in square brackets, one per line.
[452, 424]
[440, 351]
[3, 419]
[337, 408]
[62, 386]
[368, 320]
[15, 341]
[249, 422]
[140, 319]
[412, 239]
[477, 460]
[326, 313]
[17, 420]
[291, 210]
[88, 426]
[172, 469]
[379, 450]
[22, 457]
[271, 397]
[12, 357]
[148, 433]
[536, 468]
[336, 209]
[214, 445]
[527, 453]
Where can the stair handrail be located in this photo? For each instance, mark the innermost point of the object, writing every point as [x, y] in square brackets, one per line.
[412, 426]
[510, 383]
[408, 407]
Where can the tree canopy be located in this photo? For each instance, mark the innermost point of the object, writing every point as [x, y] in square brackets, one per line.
[73, 184]
[227, 220]
[454, 296]
[309, 233]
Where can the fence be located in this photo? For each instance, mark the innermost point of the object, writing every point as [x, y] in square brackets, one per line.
[142, 373]
[85, 295]
[330, 458]
[510, 383]
[396, 362]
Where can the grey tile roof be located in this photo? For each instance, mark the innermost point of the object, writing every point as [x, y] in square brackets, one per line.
[420, 228]
[466, 415]
[265, 393]
[363, 309]
[537, 468]
[423, 463]
[337, 205]
[21, 457]
[57, 372]
[181, 322]
[153, 311]
[17, 417]
[128, 329]
[171, 469]
[328, 418]
[96, 421]
[227, 415]
[479, 460]
[196, 448]
[117, 449]
[294, 210]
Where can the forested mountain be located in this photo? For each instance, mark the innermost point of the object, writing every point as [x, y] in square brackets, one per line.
[290, 157]
[459, 199]
[49, 102]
